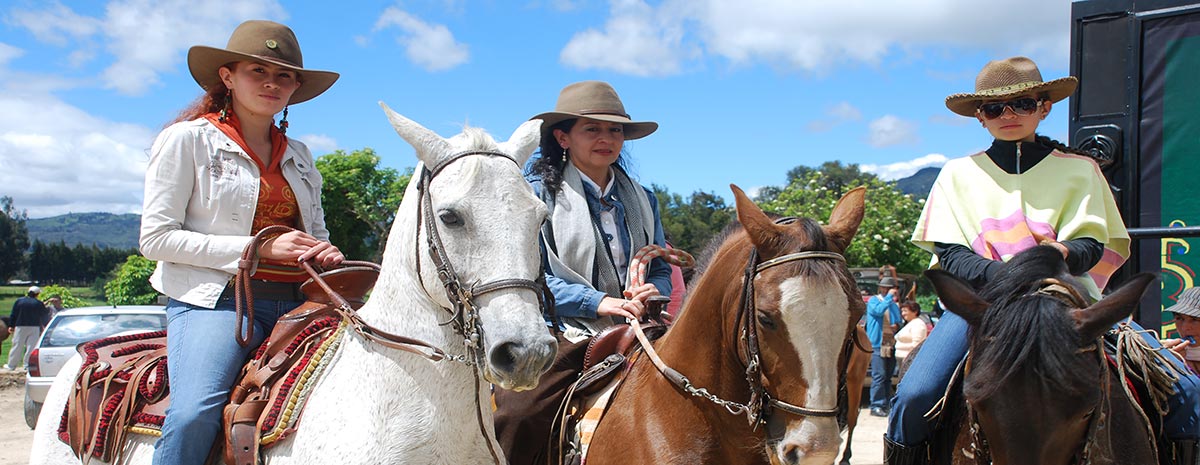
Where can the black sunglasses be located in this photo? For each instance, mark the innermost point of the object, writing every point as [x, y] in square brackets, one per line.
[1024, 106]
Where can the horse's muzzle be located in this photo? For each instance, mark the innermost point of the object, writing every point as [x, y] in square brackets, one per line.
[517, 365]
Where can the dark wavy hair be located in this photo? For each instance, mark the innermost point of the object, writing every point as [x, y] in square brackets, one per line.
[549, 163]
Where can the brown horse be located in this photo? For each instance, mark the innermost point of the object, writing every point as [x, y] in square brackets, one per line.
[769, 364]
[1038, 386]
[856, 375]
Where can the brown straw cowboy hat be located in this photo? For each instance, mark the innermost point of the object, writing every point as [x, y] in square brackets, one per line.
[596, 100]
[1006, 78]
[1188, 303]
[264, 41]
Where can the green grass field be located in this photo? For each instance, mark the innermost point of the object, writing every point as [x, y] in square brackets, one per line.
[10, 294]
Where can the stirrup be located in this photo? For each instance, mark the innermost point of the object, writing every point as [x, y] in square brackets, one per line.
[895, 453]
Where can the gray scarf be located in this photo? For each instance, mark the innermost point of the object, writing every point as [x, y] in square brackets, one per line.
[574, 241]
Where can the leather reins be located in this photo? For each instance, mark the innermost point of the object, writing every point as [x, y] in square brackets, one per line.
[761, 401]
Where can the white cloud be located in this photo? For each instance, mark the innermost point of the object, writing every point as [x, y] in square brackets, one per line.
[8, 53]
[811, 35]
[636, 40]
[319, 144]
[430, 46]
[144, 37]
[904, 169]
[891, 130]
[839, 113]
[65, 160]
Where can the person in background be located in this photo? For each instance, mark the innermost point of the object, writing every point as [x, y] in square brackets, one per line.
[882, 311]
[220, 174]
[54, 304]
[29, 316]
[914, 331]
[598, 218]
[1187, 322]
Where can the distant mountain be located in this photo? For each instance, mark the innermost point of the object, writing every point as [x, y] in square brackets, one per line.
[106, 230]
[919, 183]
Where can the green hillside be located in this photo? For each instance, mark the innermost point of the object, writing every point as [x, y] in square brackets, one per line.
[106, 230]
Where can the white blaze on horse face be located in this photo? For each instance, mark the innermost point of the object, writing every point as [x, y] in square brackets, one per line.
[815, 312]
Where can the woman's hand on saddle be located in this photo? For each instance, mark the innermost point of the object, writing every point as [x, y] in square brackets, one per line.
[611, 306]
[300, 246]
[641, 294]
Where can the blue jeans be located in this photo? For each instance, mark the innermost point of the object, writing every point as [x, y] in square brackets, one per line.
[926, 379]
[881, 380]
[203, 361]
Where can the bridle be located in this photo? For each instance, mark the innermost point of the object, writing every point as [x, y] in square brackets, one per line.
[464, 314]
[761, 402]
[1065, 293]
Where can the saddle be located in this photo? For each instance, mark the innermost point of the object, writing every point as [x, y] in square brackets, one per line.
[122, 385]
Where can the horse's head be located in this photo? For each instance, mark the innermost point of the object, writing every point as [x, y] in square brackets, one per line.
[1036, 378]
[804, 305]
[477, 243]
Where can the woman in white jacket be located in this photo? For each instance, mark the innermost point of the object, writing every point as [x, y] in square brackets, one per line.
[914, 331]
[220, 174]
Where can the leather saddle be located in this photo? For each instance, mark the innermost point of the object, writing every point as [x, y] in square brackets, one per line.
[122, 385]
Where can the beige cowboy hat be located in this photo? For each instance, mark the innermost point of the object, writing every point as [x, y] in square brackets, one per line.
[1006, 78]
[265, 41]
[595, 100]
[1188, 303]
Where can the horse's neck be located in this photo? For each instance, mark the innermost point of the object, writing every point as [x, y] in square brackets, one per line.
[399, 303]
[702, 339]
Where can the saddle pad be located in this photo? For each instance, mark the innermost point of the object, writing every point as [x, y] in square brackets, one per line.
[145, 415]
[593, 407]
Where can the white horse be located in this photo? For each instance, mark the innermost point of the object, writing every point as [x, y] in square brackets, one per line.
[376, 404]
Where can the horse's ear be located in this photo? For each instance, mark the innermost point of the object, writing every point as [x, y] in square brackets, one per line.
[847, 215]
[428, 144]
[1093, 321]
[958, 296]
[523, 141]
[763, 232]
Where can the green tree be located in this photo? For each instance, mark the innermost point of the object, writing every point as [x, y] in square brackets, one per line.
[14, 239]
[68, 299]
[131, 285]
[883, 237]
[691, 223]
[360, 201]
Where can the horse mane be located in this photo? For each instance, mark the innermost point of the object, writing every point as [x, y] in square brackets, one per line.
[1025, 332]
[734, 235]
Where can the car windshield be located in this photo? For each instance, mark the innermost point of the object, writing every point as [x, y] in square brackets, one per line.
[75, 329]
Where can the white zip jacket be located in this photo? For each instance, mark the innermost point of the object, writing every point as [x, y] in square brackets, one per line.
[201, 192]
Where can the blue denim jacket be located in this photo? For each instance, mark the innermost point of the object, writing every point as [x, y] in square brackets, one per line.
[577, 300]
[875, 310]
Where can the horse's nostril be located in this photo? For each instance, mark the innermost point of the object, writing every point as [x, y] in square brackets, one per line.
[791, 454]
[504, 358]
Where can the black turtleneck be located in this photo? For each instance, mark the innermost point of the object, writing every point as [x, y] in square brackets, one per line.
[957, 259]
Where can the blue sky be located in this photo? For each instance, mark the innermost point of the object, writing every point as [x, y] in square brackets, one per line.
[743, 90]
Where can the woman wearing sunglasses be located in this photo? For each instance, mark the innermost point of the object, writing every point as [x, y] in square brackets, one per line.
[1025, 189]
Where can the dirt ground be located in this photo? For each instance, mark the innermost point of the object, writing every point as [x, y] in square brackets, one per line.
[16, 438]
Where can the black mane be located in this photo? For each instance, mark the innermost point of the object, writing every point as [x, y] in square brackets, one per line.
[1027, 333]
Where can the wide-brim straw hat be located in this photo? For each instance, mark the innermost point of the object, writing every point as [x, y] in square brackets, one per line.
[1188, 303]
[1006, 78]
[264, 41]
[596, 100]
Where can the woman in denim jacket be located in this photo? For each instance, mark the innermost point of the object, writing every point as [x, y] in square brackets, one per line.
[216, 177]
[599, 218]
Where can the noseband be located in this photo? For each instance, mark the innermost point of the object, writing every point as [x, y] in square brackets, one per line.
[464, 314]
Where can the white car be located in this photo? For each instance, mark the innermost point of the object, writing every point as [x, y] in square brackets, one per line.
[72, 327]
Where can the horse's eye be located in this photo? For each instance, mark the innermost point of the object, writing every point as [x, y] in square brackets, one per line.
[449, 218]
[766, 321]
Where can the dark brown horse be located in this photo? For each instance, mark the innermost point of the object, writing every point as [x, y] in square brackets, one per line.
[802, 305]
[856, 376]
[1037, 381]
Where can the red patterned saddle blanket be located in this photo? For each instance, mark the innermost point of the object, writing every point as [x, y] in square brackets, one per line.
[122, 387]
